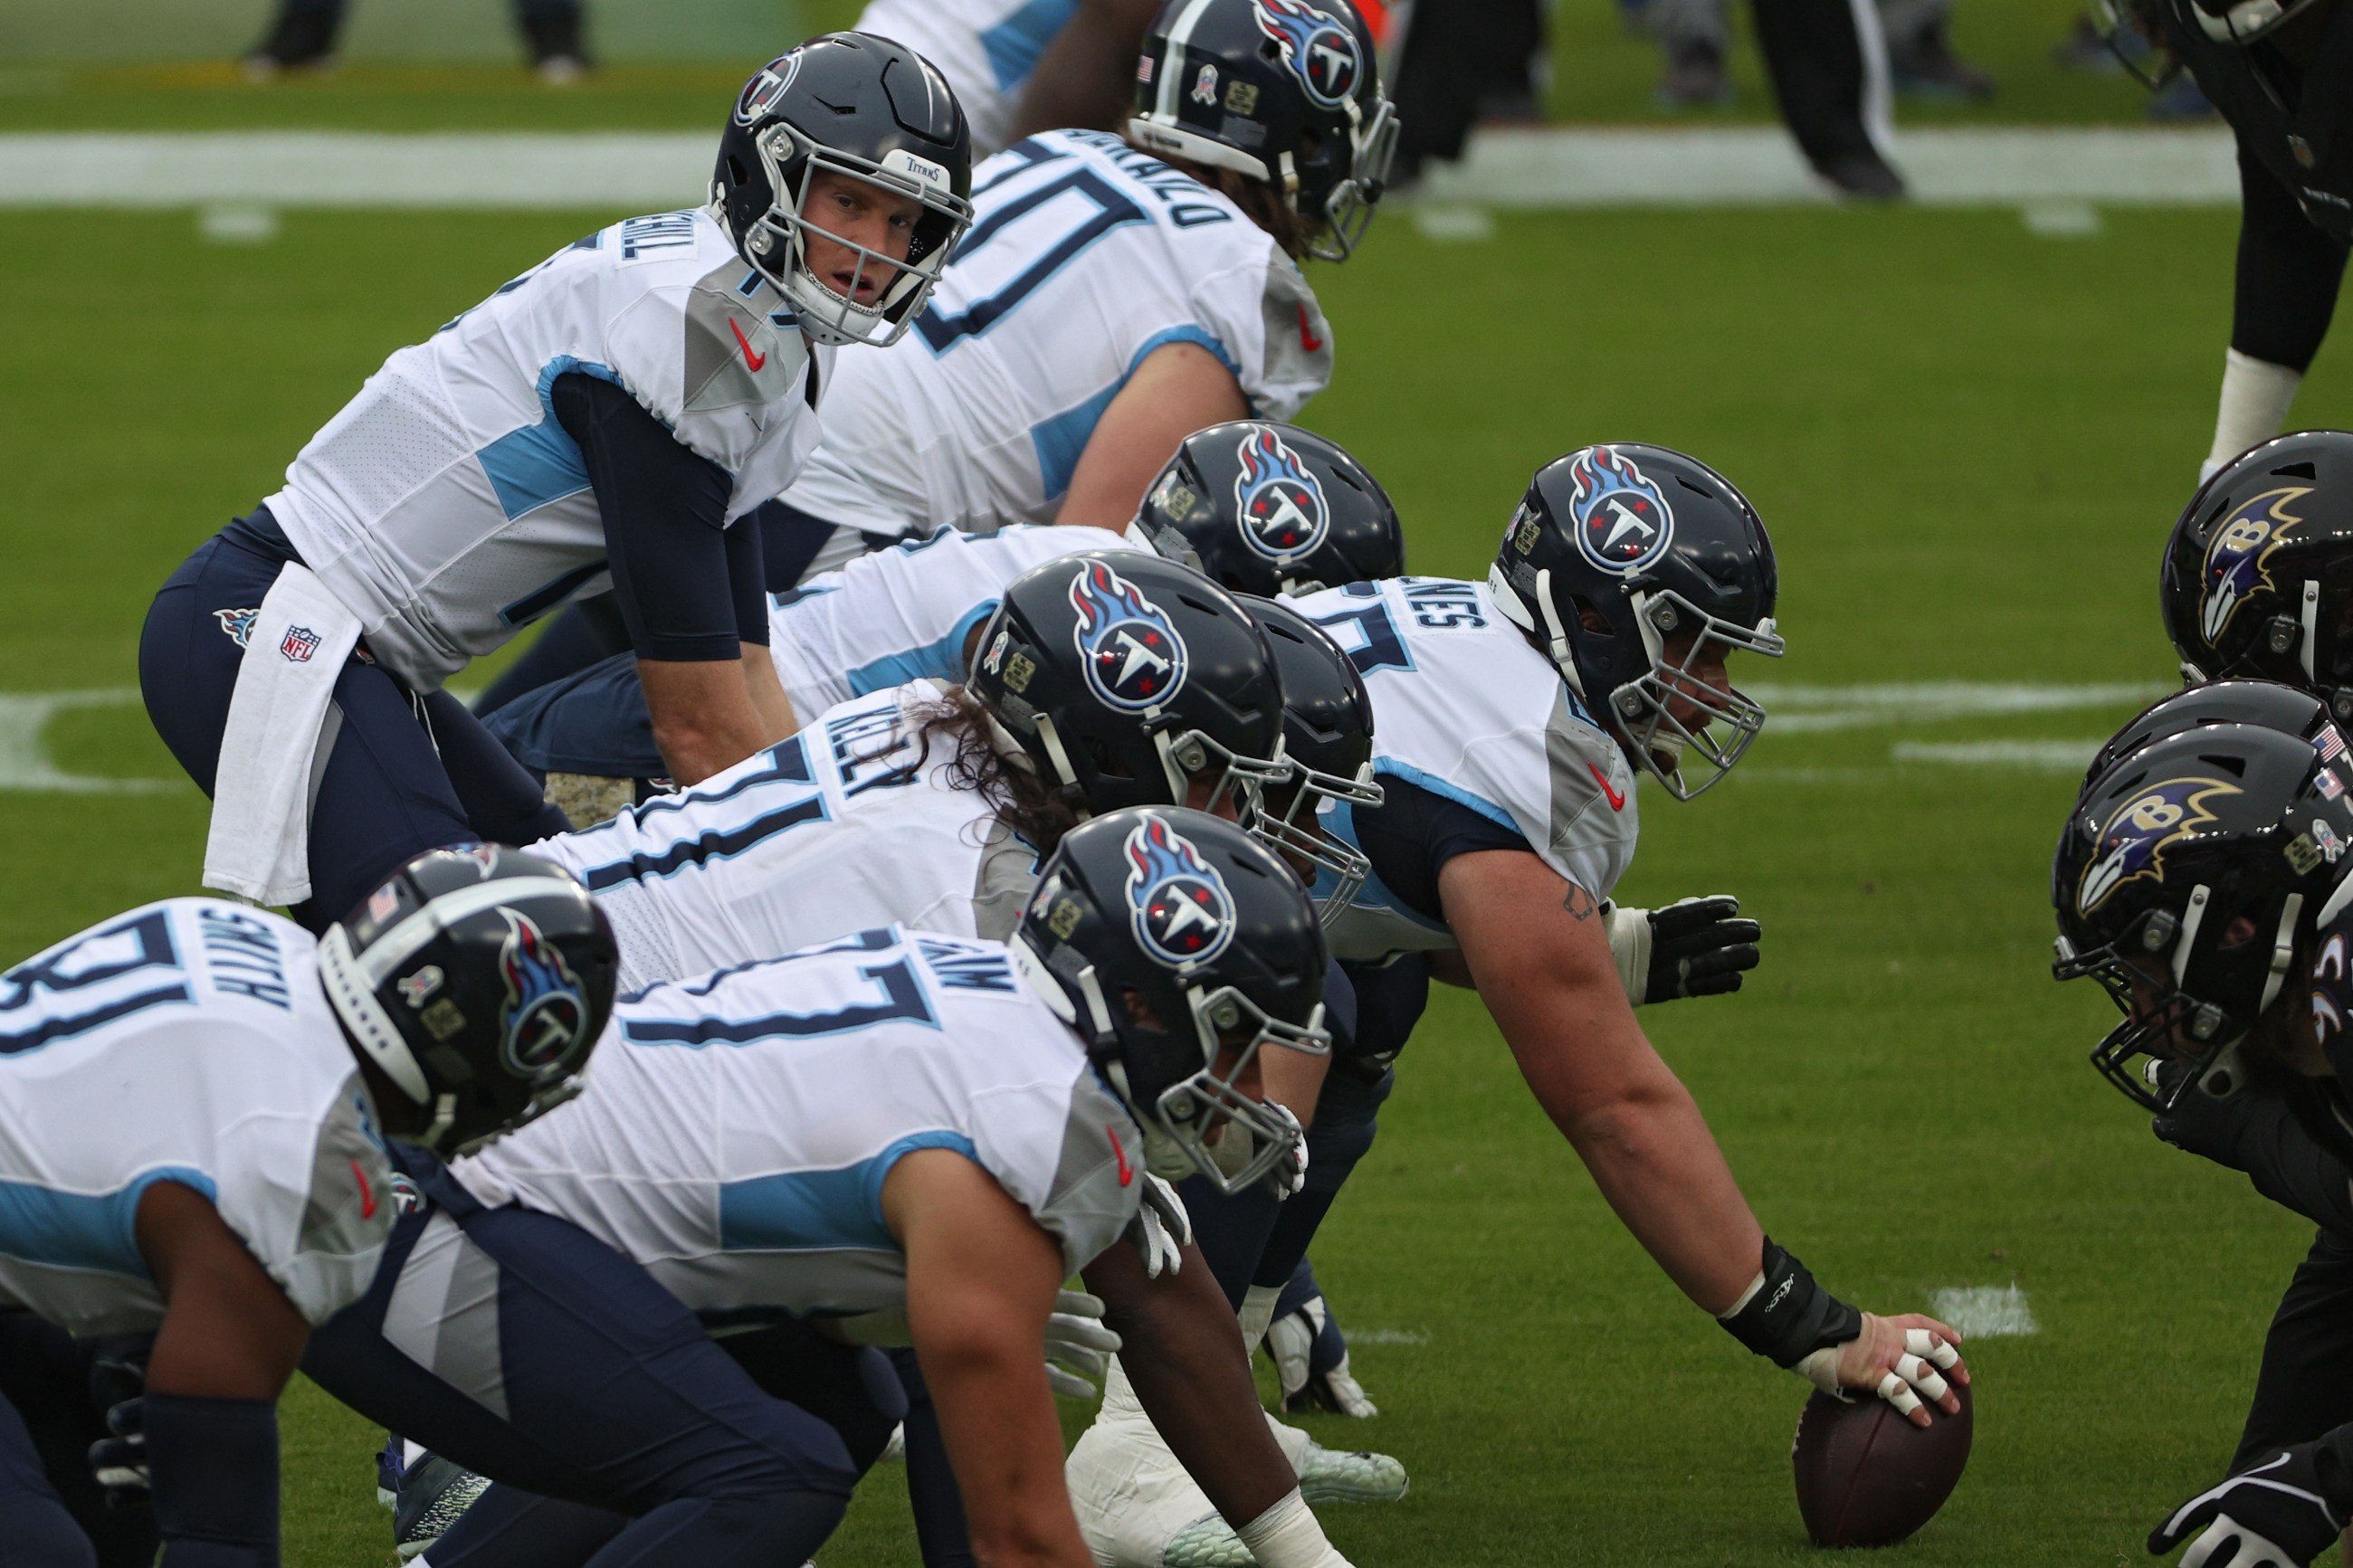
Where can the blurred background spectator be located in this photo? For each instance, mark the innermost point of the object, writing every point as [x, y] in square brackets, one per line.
[302, 36]
[1695, 36]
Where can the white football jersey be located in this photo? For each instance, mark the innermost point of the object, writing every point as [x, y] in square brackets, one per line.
[902, 613]
[851, 823]
[1463, 707]
[447, 508]
[1084, 257]
[737, 1127]
[185, 1041]
[986, 49]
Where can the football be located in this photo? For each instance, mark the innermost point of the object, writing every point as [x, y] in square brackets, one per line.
[1866, 1476]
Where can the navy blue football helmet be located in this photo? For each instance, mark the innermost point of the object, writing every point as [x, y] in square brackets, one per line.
[1327, 735]
[477, 979]
[1271, 509]
[1125, 676]
[1286, 91]
[867, 109]
[1178, 947]
[2189, 881]
[1619, 551]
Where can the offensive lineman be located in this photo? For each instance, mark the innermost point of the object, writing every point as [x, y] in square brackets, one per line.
[1511, 716]
[193, 1100]
[1261, 508]
[895, 1132]
[603, 418]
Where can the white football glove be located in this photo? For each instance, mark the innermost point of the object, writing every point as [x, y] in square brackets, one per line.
[1078, 1344]
[1289, 1175]
[2277, 1517]
[1291, 1341]
[1161, 1228]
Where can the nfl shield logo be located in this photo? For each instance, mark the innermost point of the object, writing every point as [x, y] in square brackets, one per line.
[300, 643]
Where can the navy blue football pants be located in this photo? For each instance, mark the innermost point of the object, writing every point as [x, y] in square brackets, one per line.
[618, 1431]
[406, 774]
[52, 1512]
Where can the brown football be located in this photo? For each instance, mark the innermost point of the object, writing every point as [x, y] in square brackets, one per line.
[1866, 1476]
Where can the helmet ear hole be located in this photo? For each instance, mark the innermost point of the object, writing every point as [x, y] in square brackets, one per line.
[1589, 617]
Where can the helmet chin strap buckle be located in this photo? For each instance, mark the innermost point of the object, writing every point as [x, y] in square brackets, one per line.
[445, 1116]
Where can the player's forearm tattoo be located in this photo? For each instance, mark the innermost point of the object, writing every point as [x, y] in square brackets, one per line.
[1579, 903]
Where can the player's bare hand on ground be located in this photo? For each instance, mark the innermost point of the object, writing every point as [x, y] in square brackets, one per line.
[1911, 1362]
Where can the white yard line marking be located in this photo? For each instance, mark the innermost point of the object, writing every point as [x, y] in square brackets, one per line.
[25, 761]
[1553, 167]
[1805, 710]
[1984, 1312]
[1391, 1337]
[2042, 756]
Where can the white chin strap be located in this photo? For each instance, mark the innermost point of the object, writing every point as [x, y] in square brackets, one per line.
[2283, 949]
[2192, 918]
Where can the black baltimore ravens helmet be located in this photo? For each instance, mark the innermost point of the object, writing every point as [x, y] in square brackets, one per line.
[1287, 91]
[2189, 881]
[1619, 551]
[1327, 735]
[1179, 946]
[2265, 704]
[1128, 676]
[1272, 509]
[2258, 575]
[477, 979]
[860, 106]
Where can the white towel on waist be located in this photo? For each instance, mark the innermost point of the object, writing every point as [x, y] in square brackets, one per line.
[259, 845]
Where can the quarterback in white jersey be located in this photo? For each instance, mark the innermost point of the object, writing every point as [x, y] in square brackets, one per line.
[600, 423]
[193, 1101]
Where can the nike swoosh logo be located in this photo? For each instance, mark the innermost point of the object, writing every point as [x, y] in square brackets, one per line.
[754, 361]
[1307, 338]
[367, 1194]
[1617, 801]
[1126, 1171]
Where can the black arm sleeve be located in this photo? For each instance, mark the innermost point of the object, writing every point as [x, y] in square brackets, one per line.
[747, 580]
[665, 511]
[2288, 273]
[1414, 832]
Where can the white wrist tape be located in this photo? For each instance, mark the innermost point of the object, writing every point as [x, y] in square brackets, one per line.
[1821, 1369]
[2256, 395]
[1288, 1536]
[1629, 944]
[1256, 1312]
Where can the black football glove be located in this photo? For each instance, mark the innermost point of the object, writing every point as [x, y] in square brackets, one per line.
[2275, 1515]
[1693, 947]
[120, 1462]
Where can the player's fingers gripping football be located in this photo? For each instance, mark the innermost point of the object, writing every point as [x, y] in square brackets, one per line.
[1079, 1345]
[1911, 1362]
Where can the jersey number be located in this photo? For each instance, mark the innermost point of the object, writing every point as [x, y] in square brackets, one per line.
[96, 958]
[1378, 646]
[902, 999]
[1111, 210]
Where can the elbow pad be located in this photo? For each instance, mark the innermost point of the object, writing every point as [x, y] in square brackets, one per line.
[215, 1469]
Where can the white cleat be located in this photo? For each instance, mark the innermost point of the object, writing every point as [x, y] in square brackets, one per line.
[1336, 1475]
[1207, 1543]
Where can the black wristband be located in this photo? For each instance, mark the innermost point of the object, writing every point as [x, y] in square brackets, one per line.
[213, 1464]
[1790, 1317]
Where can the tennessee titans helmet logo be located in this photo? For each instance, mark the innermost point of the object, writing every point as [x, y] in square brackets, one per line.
[545, 1014]
[2236, 560]
[762, 93]
[1177, 904]
[1621, 520]
[1281, 503]
[2134, 844]
[1320, 50]
[1134, 658]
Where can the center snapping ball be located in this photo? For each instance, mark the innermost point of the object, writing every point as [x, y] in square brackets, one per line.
[1866, 1476]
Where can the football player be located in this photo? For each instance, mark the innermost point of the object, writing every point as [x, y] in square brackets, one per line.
[194, 1102]
[2199, 880]
[2258, 574]
[901, 1135]
[2277, 69]
[1261, 508]
[929, 805]
[1017, 64]
[1513, 718]
[601, 420]
[1118, 292]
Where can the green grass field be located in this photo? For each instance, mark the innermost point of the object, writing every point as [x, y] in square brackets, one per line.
[1968, 441]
